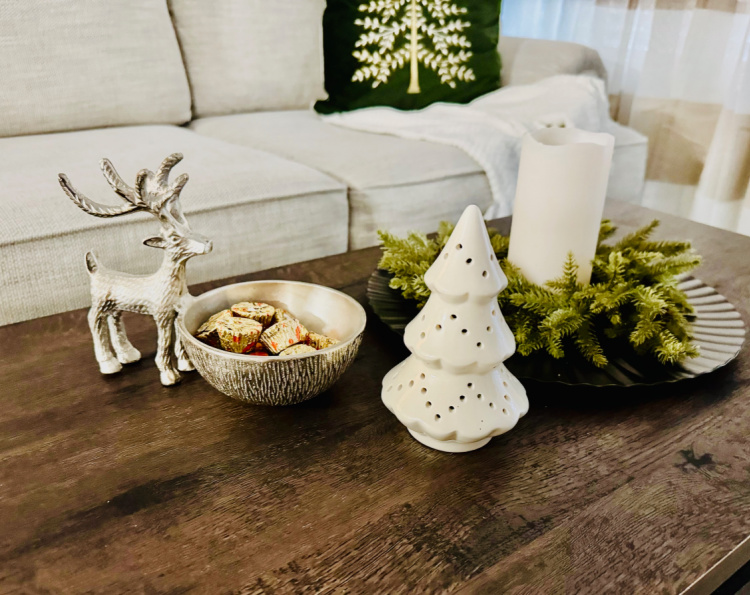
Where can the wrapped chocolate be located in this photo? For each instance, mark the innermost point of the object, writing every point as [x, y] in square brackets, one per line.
[283, 334]
[238, 334]
[263, 313]
[259, 329]
[297, 349]
[207, 331]
[320, 341]
[281, 314]
[259, 349]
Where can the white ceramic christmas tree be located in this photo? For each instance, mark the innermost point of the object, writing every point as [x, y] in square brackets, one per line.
[454, 393]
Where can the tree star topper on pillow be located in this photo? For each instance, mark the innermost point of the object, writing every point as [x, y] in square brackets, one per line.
[409, 53]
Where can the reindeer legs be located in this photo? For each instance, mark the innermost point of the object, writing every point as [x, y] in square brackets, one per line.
[126, 353]
[108, 363]
[183, 361]
[164, 356]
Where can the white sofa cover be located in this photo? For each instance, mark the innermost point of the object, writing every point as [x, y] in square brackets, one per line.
[259, 209]
[526, 61]
[394, 183]
[250, 55]
[274, 185]
[88, 64]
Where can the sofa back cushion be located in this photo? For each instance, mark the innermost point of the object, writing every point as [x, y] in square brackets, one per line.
[68, 65]
[251, 55]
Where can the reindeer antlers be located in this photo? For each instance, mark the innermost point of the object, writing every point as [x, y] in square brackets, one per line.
[150, 192]
[114, 180]
[162, 174]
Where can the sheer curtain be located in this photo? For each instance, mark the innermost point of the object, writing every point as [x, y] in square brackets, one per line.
[679, 72]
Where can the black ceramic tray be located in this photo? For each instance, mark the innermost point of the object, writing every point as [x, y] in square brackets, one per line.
[718, 331]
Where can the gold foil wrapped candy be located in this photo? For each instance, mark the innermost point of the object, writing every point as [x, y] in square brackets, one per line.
[283, 334]
[207, 331]
[281, 314]
[298, 348]
[263, 313]
[238, 334]
[257, 328]
[320, 341]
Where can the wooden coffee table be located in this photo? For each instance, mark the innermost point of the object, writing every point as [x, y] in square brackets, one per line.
[117, 484]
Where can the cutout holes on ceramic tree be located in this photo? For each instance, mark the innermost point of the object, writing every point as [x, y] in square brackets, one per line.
[454, 393]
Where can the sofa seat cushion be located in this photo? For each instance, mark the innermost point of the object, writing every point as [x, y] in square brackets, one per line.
[259, 209]
[394, 183]
[88, 64]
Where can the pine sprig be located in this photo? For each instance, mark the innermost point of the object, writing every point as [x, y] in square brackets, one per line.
[632, 297]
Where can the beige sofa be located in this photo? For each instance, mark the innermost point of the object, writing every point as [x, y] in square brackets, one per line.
[229, 84]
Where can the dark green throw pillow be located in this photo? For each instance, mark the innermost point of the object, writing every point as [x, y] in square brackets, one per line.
[408, 54]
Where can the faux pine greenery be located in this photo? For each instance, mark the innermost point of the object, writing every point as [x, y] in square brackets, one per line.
[632, 298]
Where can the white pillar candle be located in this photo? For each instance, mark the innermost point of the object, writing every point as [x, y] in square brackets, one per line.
[562, 183]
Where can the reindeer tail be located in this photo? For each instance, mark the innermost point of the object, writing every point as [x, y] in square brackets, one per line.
[91, 263]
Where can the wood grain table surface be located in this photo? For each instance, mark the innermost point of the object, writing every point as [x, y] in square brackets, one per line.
[119, 485]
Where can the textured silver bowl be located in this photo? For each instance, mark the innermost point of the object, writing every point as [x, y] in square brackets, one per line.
[265, 380]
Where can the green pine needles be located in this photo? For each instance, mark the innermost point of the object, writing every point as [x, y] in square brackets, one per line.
[632, 298]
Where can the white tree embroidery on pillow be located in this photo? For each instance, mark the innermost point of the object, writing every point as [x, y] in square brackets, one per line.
[427, 32]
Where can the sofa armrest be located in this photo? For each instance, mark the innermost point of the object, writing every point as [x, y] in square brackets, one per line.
[526, 61]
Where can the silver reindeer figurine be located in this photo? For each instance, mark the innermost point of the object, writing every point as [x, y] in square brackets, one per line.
[158, 295]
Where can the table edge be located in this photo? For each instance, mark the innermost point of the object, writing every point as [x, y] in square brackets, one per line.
[721, 571]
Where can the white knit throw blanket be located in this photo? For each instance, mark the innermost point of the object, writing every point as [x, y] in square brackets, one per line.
[490, 128]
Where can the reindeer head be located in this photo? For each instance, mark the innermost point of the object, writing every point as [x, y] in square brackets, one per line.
[152, 193]
[176, 237]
